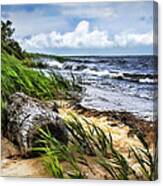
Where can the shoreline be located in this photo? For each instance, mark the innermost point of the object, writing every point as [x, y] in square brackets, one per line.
[115, 118]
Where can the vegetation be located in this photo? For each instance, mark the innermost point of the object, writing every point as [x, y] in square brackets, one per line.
[8, 44]
[16, 77]
[93, 141]
[148, 162]
[61, 59]
[34, 64]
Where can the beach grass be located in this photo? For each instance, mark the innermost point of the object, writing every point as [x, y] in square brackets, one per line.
[16, 77]
[87, 139]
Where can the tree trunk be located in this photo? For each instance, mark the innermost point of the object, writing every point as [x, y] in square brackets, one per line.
[25, 115]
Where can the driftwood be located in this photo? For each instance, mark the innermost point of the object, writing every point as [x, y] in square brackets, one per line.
[25, 115]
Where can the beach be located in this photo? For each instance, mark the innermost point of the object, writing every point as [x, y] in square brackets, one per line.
[120, 125]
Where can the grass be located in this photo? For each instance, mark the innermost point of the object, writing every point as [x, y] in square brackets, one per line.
[91, 140]
[18, 78]
[55, 152]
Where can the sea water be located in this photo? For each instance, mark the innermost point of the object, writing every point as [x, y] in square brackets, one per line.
[114, 83]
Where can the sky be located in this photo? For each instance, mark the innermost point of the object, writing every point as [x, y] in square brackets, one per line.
[108, 28]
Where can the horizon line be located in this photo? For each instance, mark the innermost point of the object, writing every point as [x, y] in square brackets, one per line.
[114, 54]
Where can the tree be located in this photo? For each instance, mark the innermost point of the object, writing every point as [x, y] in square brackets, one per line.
[8, 44]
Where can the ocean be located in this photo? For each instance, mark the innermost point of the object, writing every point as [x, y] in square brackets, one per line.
[114, 83]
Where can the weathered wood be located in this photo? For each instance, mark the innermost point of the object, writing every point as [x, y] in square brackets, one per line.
[26, 115]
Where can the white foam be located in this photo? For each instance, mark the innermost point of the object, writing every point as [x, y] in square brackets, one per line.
[148, 80]
[98, 73]
[54, 63]
[116, 74]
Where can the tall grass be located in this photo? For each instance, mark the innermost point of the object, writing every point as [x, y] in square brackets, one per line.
[117, 165]
[55, 152]
[148, 162]
[94, 141]
[87, 138]
[16, 77]
[91, 141]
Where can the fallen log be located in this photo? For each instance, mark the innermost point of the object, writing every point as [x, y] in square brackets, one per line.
[25, 115]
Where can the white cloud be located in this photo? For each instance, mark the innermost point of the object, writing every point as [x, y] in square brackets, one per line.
[82, 37]
[130, 39]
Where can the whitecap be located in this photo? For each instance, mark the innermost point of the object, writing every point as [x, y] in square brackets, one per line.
[148, 80]
[54, 63]
[97, 73]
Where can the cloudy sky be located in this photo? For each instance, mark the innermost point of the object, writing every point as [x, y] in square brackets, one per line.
[83, 28]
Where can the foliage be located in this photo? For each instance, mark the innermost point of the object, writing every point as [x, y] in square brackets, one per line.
[91, 141]
[95, 142]
[3, 115]
[86, 138]
[8, 44]
[117, 165]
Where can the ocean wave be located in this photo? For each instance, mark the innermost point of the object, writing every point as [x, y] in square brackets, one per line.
[79, 66]
[102, 72]
[54, 64]
[140, 78]
[94, 72]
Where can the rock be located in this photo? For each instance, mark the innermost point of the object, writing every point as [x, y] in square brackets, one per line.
[26, 115]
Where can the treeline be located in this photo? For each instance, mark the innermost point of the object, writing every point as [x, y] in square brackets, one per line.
[60, 59]
[8, 44]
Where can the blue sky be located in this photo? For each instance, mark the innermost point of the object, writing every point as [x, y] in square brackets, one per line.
[83, 28]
